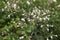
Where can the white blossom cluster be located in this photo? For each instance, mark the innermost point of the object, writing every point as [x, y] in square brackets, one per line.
[12, 4]
[40, 14]
[36, 14]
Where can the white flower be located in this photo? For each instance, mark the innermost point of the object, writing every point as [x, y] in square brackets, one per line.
[44, 18]
[47, 29]
[20, 25]
[56, 35]
[44, 13]
[47, 11]
[14, 6]
[41, 26]
[14, 22]
[32, 13]
[47, 25]
[8, 3]
[17, 25]
[51, 37]
[54, 0]
[5, 7]
[23, 19]
[48, 15]
[29, 20]
[47, 39]
[47, 18]
[34, 16]
[23, 14]
[34, 0]
[28, 2]
[2, 9]
[40, 19]
[8, 16]
[58, 6]
[51, 25]
[21, 37]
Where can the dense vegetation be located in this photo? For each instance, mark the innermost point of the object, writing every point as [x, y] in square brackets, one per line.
[29, 19]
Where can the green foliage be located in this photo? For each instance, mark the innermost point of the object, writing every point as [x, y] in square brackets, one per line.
[29, 20]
